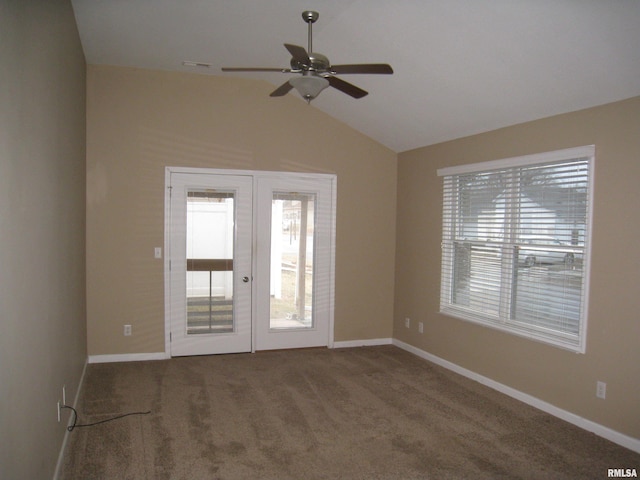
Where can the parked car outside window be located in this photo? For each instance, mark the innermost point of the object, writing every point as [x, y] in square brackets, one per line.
[541, 249]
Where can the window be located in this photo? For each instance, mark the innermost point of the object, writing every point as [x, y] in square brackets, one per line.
[515, 245]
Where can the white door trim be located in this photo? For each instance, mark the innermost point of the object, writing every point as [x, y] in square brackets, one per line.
[256, 174]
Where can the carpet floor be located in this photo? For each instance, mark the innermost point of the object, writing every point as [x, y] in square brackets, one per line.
[358, 413]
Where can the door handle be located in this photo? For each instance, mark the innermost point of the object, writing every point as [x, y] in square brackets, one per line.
[245, 279]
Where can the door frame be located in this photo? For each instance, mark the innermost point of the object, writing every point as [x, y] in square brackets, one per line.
[256, 174]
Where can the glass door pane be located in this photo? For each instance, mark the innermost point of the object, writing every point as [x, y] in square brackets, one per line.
[210, 232]
[292, 260]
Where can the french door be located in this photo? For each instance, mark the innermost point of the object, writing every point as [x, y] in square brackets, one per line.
[294, 268]
[210, 263]
[249, 261]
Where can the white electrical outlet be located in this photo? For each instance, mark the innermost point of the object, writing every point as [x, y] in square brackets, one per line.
[601, 389]
[127, 330]
[407, 322]
[157, 252]
[420, 327]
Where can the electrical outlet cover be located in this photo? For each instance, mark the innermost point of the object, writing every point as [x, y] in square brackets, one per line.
[601, 390]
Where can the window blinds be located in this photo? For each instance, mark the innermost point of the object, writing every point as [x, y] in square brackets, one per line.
[514, 246]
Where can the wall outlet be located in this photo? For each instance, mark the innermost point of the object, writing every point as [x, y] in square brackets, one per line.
[420, 327]
[127, 330]
[601, 389]
[157, 252]
[407, 322]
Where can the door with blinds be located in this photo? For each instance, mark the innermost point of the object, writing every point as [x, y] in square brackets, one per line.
[210, 263]
[250, 261]
[294, 261]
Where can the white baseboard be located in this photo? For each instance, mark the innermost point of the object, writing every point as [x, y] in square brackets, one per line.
[363, 343]
[128, 357]
[600, 430]
[71, 418]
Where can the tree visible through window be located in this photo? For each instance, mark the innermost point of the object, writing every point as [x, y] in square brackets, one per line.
[515, 244]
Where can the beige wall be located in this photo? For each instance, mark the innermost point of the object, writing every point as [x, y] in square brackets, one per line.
[42, 224]
[140, 121]
[564, 379]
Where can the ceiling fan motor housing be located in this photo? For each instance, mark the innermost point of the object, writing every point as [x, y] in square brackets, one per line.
[319, 63]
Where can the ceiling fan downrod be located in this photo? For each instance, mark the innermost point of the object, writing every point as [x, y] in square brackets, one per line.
[310, 17]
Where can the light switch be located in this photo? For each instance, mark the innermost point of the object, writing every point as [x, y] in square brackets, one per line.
[157, 252]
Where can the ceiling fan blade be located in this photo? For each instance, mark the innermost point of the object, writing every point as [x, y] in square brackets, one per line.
[346, 87]
[363, 68]
[299, 54]
[255, 69]
[281, 90]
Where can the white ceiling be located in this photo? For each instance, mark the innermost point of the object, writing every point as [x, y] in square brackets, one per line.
[461, 66]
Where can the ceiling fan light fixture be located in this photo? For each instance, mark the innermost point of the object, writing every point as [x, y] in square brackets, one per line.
[309, 86]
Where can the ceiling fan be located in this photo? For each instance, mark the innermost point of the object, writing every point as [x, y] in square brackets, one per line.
[316, 71]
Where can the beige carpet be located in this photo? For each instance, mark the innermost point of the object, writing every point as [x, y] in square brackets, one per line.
[361, 413]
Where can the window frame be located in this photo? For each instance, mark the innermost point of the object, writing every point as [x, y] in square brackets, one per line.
[575, 343]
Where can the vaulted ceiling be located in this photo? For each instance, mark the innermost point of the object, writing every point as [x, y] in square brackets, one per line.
[461, 66]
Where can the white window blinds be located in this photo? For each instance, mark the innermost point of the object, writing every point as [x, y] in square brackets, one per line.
[514, 246]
